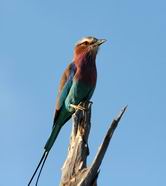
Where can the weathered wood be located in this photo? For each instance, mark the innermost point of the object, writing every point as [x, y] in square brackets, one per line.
[75, 171]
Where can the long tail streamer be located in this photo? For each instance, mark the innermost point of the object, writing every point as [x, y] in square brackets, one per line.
[41, 162]
[41, 168]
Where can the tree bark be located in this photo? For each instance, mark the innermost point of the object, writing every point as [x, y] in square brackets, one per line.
[75, 171]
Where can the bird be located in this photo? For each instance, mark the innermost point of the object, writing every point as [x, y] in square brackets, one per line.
[77, 85]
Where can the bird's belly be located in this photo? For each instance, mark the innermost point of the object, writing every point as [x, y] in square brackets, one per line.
[79, 92]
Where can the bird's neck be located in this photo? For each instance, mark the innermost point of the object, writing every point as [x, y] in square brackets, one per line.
[85, 59]
[86, 67]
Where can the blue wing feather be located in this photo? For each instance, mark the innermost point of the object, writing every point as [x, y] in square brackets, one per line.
[64, 88]
[65, 85]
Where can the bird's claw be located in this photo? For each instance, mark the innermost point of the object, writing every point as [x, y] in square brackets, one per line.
[78, 107]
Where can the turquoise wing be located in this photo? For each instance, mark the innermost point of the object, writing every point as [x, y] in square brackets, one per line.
[64, 88]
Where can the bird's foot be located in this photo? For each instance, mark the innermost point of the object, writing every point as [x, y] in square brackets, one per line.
[78, 107]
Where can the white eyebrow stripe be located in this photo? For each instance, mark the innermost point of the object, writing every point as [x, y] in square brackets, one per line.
[89, 39]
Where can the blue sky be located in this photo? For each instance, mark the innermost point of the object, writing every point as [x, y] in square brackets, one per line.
[36, 44]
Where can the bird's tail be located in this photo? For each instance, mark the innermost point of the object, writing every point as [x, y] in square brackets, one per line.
[41, 162]
[55, 131]
[47, 147]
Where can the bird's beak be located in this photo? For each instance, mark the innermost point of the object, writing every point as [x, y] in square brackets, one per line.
[100, 41]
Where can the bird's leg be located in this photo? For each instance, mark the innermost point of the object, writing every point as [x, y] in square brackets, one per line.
[78, 107]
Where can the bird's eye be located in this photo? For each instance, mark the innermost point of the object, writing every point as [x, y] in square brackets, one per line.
[86, 43]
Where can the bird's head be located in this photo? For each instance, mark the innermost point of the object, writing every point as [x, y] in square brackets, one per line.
[87, 45]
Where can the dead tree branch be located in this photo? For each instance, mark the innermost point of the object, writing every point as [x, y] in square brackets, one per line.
[75, 171]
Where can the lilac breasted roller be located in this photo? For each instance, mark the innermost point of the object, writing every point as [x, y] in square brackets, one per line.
[77, 85]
